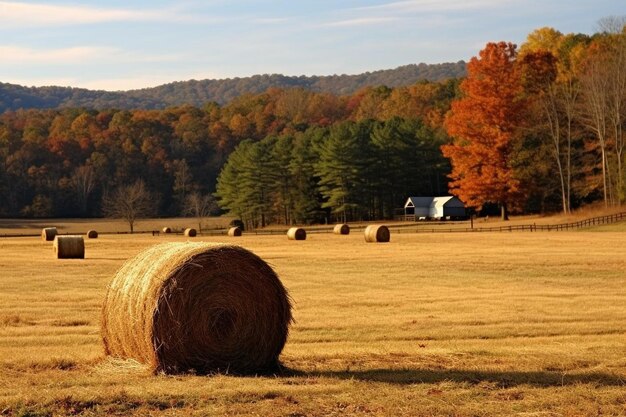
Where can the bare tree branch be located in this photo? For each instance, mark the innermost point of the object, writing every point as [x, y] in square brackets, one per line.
[129, 202]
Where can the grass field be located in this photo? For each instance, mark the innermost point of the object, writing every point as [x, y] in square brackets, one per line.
[529, 324]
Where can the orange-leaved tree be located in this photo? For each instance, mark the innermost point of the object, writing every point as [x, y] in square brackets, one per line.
[483, 124]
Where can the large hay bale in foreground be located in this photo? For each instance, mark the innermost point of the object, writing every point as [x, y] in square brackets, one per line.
[190, 232]
[48, 233]
[377, 233]
[341, 229]
[296, 233]
[92, 234]
[68, 247]
[204, 307]
[234, 232]
[167, 230]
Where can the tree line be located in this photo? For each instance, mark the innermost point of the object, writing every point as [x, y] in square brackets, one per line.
[66, 162]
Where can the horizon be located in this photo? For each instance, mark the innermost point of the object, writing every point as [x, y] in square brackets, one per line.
[114, 47]
[233, 78]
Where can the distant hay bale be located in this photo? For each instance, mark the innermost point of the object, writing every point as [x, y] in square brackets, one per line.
[167, 230]
[234, 231]
[48, 233]
[92, 234]
[341, 229]
[377, 233]
[68, 247]
[237, 223]
[190, 232]
[200, 307]
[296, 233]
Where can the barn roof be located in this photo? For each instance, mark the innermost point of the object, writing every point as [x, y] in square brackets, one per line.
[449, 201]
[440, 201]
[418, 202]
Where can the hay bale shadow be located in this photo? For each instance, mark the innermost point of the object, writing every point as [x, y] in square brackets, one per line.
[502, 379]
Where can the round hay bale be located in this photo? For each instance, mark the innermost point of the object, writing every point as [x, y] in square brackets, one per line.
[190, 232]
[92, 234]
[167, 230]
[68, 247]
[234, 232]
[296, 233]
[48, 233]
[201, 307]
[377, 233]
[341, 229]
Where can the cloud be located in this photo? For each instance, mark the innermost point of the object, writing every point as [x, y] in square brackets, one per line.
[270, 20]
[362, 21]
[429, 6]
[17, 55]
[37, 14]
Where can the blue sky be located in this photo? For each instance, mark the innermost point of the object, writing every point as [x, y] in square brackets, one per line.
[121, 45]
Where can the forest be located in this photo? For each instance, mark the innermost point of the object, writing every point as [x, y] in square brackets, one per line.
[537, 128]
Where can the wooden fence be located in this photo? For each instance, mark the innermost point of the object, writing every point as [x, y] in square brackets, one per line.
[594, 221]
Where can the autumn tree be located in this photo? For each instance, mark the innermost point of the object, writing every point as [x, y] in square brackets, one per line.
[483, 124]
[549, 60]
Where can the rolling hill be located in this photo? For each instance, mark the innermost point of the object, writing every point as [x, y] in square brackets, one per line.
[197, 93]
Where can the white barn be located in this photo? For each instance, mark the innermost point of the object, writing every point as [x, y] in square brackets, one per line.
[444, 207]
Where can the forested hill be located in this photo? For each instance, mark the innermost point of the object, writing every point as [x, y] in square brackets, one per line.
[197, 93]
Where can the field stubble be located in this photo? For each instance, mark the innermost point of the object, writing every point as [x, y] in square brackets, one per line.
[428, 324]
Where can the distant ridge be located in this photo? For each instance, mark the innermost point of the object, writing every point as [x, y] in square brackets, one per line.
[197, 93]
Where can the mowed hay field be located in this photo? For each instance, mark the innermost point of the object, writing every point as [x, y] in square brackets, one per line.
[463, 324]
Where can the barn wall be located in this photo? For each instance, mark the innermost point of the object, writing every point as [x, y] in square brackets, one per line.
[454, 211]
[422, 211]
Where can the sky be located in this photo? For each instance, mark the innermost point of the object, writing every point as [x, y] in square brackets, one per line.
[122, 45]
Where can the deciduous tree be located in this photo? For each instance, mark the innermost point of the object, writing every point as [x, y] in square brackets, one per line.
[129, 202]
[200, 206]
[483, 124]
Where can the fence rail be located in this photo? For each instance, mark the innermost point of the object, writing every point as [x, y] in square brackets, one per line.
[594, 221]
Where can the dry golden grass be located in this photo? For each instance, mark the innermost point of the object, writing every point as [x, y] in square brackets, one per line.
[429, 324]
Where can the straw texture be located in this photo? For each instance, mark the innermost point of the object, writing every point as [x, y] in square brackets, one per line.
[296, 233]
[48, 233]
[66, 247]
[197, 306]
[377, 233]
